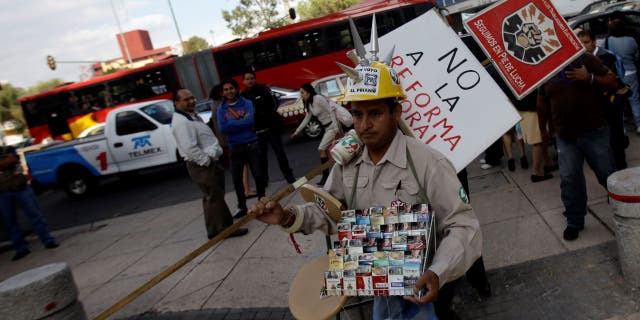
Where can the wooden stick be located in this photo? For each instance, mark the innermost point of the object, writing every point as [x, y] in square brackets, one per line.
[221, 236]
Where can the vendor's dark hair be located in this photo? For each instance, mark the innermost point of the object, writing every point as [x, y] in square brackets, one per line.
[312, 92]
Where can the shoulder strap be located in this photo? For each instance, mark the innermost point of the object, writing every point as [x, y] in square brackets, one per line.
[423, 192]
[353, 187]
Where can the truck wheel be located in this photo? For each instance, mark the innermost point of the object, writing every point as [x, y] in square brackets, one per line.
[77, 183]
[313, 129]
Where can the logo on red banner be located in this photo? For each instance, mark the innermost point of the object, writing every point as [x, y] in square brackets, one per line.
[529, 35]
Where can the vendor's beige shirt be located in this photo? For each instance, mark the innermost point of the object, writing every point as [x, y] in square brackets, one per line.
[458, 229]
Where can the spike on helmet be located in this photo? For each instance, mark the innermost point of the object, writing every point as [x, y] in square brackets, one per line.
[370, 80]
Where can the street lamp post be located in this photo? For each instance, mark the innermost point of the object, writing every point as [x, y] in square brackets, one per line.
[124, 41]
[184, 50]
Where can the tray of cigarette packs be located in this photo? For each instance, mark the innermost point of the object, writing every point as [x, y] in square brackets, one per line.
[381, 251]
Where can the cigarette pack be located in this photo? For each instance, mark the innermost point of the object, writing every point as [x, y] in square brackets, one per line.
[376, 215]
[359, 231]
[396, 281]
[362, 217]
[349, 283]
[364, 283]
[333, 280]
[391, 215]
[349, 216]
[380, 281]
[344, 231]
[336, 260]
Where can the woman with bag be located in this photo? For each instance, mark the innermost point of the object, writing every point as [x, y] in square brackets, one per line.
[318, 105]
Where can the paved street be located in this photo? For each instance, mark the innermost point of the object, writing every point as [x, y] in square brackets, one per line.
[535, 274]
[148, 190]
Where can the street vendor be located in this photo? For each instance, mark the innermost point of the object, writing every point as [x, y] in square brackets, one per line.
[392, 169]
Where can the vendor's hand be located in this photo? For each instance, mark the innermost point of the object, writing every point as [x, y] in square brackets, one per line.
[429, 280]
[293, 136]
[269, 212]
[578, 74]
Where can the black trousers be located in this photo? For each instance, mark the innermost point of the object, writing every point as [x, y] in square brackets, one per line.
[273, 138]
[618, 140]
[239, 156]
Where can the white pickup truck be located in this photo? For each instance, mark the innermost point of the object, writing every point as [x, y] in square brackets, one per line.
[135, 137]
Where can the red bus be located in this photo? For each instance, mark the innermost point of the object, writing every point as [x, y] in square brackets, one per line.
[302, 52]
[286, 57]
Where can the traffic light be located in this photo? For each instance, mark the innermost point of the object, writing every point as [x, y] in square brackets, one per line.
[51, 62]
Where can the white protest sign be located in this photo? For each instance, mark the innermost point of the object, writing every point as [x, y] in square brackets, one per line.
[453, 104]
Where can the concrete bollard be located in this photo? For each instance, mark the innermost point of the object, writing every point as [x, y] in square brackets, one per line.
[47, 291]
[624, 192]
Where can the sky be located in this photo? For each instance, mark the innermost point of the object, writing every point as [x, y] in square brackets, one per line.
[85, 30]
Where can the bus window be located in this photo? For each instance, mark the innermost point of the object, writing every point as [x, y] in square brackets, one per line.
[309, 44]
[93, 98]
[125, 89]
[338, 36]
[248, 56]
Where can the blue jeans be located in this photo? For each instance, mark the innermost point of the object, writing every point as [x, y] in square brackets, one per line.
[593, 146]
[29, 204]
[396, 308]
[632, 81]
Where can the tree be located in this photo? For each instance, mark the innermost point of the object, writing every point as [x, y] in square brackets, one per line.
[253, 16]
[195, 44]
[308, 9]
[9, 105]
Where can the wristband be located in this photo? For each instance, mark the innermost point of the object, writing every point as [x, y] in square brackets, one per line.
[290, 219]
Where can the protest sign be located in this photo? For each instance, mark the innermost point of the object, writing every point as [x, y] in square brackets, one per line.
[453, 104]
[527, 40]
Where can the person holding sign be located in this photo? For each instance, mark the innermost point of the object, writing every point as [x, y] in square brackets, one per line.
[318, 106]
[393, 169]
[573, 100]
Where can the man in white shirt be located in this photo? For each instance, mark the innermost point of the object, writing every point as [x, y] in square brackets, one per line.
[200, 149]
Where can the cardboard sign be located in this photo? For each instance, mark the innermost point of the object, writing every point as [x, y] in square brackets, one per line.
[527, 40]
[453, 104]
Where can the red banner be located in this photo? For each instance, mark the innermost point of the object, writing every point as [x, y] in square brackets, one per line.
[527, 40]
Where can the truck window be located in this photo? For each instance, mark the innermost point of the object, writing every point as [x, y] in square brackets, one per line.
[161, 112]
[129, 122]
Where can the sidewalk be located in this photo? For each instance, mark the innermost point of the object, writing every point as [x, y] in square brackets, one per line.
[535, 274]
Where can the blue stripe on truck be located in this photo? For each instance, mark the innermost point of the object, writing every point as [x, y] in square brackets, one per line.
[44, 165]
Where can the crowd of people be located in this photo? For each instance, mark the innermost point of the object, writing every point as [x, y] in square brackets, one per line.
[580, 113]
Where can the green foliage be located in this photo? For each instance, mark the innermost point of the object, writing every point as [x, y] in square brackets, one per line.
[9, 105]
[308, 9]
[253, 16]
[195, 44]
